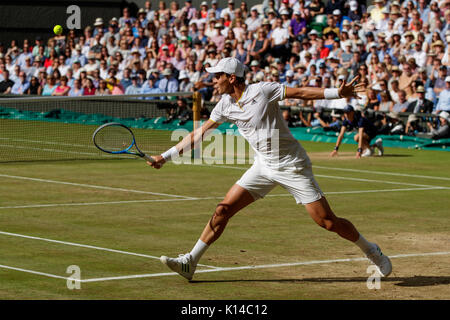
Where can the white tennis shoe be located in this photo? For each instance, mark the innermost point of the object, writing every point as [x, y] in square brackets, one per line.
[379, 145]
[380, 260]
[182, 265]
[367, 152]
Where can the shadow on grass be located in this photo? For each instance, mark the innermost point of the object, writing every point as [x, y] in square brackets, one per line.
[416, 281]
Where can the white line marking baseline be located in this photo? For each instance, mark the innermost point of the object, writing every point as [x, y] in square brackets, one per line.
[92, 186]
[384, 173]
[266, 266]
[50, 205]
[86, 246]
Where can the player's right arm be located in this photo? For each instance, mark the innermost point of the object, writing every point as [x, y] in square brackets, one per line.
[338, 142]
[184, 145]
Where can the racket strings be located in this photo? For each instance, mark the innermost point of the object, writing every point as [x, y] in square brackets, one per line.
[114, 138]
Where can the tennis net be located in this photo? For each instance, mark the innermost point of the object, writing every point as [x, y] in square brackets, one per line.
[60, 128]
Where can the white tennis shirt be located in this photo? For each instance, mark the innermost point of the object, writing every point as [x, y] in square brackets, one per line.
[259, 120]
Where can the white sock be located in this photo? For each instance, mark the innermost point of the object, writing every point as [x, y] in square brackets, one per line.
[363, 244]
[198, 250]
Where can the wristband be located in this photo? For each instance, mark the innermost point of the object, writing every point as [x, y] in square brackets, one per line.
[171, 153]
[332, 93]
[336, 148]
[359, 150]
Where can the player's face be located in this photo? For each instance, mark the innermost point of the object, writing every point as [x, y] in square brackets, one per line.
[222, 83]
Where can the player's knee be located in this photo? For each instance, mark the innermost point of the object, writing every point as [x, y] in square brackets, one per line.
[221, 214]
[356, 137]
[327, 224]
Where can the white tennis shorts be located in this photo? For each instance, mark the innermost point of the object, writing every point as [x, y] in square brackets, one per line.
[259, 180]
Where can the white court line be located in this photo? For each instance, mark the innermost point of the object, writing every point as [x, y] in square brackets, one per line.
[86, 246]
[49, 205]
[265, 266]
[36, 272]
[343, 178]
[384, 173]
[93, 186]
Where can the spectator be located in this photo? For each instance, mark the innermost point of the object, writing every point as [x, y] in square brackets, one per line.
[150, 87]
[185, 85]
[386, 104]
[21, 85]
[391, 124]
[89, 89]
[413, 126]
[402, 104]
[444, 98]
[443, 131]
[76, 90]
[102, 89]
[62, 89]
[35, 87]
[50, 86]
[421, 104]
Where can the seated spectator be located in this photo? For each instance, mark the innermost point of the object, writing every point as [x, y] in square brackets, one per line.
[444, 98]
[22, 85]
[76, 90]
[185, 85]
[386, 104]
[402, 104]
[391, 124]
[421, 104]
[413, 125]
[150, 86]
[62, 89]
[102, 89]
[134, 87]
[50, 86]
[89, 89]
[35, 87]
[443, 130]
[372, 100]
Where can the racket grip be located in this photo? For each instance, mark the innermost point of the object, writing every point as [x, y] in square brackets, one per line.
[148, 158]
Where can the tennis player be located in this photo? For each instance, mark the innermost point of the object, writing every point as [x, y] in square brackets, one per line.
[254, 108]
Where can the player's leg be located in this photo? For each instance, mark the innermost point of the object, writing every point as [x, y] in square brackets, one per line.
[322, 214]
[250, 187]
[236, 199]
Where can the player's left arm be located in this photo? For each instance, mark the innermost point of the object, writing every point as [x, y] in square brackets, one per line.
[346, 90]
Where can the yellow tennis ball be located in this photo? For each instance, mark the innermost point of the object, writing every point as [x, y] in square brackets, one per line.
[58, 29]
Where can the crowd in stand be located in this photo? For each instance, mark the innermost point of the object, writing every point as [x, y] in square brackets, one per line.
[400, 50]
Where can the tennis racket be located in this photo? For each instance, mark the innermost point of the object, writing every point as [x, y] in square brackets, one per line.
[116, 138]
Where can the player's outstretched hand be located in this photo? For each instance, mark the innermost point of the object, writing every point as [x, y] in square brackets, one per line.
[159, 161]
[348, 90]
[334, 153]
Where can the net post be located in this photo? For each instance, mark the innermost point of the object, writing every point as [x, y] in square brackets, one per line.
[196, 107]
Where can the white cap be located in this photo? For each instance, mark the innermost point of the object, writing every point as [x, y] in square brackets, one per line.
[353, 5]
[229, 66]
[337, 12]
[445, 115]
[447, 79]
[183, 75]
[289, 73]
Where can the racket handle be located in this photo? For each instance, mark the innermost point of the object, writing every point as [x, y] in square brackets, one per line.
[148, 158]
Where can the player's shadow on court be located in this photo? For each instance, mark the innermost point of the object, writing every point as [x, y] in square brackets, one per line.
[416, 281]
